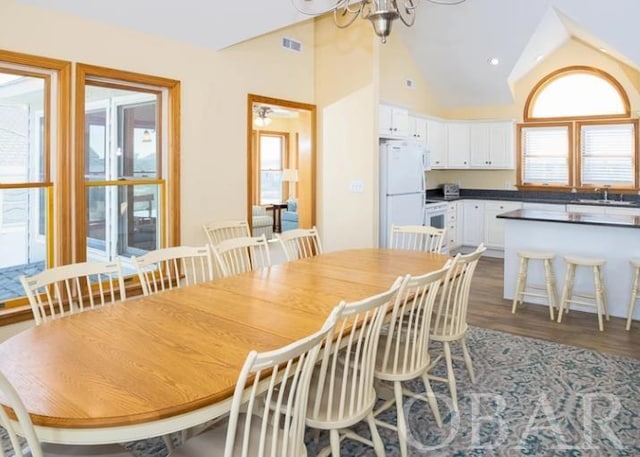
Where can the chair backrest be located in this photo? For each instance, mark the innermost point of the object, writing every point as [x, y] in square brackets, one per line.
[405, 347]
[450, 315]
[275, 418]
[27, 431]
[225, 230]
[345, 379]
[300, 243]
[67, 289]
[240, 255]
[417, 238]
[174, 267]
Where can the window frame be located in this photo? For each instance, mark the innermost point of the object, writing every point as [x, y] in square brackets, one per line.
[574, 123]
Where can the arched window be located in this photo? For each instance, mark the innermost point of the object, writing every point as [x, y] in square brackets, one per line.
[578, 133]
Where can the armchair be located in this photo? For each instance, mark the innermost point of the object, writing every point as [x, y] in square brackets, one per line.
[289, 217]
[262, 223]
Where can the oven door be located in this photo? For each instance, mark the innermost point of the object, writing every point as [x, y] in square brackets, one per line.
[435, 217]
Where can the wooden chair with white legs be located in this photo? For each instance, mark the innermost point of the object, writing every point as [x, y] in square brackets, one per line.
[599, 297]
[417, 238]
[403, 349]
[526, 290]
[276, 429]
[68, 289]
[635, 291]
[225, 230]
[239, 255]
[449, 321]
[174, 267]
[342, 392]
[300, 243]
[28, 433]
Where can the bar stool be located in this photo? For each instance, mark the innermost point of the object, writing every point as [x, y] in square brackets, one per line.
[635, 290]
[599, 296]
[550, 280]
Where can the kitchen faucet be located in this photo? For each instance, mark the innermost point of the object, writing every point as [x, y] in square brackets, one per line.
[605, 193]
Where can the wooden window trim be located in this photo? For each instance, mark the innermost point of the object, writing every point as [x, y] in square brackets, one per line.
[284, 158]
[101, 76]
[548, 79]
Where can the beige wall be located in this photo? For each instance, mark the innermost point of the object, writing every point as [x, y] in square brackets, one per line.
[573, 52]
[346, 95]
[214, 92]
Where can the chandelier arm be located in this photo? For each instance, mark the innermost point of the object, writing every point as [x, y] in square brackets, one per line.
[447, 2]
[311, 12]
[343, 17]
[407, 11]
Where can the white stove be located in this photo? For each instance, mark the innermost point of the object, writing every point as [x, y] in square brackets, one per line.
[435, 213]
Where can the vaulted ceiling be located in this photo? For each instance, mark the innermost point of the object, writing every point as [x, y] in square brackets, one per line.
[451, 44]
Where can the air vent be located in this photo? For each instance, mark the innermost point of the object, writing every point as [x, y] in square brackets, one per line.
[410, 83]
[293, 45]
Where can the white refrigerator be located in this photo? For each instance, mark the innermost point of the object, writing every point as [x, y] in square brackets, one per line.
[402, 185]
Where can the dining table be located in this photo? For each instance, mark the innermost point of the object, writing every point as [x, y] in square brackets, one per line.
[157, 364]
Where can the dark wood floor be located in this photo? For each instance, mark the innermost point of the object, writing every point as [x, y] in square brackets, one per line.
[488, 309]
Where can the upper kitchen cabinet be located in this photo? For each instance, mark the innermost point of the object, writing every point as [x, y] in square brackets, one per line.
[437, 143]
[418, 129]
[491, 145]
[458, 142]
[394, 122]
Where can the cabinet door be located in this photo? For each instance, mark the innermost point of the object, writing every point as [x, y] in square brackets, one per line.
[502, 148]
[621, 211]
[473, 230]
[418, 129]
[480, 145]
[437, 143]
[458, 141]
[385, 122]
[451, 234]
[494, 227]
[400, 122]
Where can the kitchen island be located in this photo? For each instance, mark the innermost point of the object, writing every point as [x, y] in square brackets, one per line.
[615, 238]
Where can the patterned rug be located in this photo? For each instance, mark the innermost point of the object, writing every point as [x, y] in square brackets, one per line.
[531, 398]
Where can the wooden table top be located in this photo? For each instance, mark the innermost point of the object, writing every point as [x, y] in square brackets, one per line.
[172, 353]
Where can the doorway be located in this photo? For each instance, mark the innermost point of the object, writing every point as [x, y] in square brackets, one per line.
[281, 171]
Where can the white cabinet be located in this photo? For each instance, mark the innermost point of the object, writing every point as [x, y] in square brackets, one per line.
[622, 211]
[393, 122]
[453, 240]
[437, 143]
[586, 209]
[473, 230]
[418, 128]
[543, 206]
[494, 227]
[492, 145]
[458, 145]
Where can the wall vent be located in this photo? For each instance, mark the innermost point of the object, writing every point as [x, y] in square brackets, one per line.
[290, 43]
[410, 83]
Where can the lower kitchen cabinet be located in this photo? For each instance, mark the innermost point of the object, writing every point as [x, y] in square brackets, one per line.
[473, 230]
[494, 227]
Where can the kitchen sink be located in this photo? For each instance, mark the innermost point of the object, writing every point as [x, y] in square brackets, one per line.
[603, 202]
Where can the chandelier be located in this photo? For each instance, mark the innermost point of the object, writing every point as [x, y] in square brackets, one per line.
[381, 13]
[262, 113]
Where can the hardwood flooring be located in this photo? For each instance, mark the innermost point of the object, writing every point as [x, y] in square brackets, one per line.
[488, 309]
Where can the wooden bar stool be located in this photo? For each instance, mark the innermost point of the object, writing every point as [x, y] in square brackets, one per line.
[549, 287]
[599, 296]
[635, 290]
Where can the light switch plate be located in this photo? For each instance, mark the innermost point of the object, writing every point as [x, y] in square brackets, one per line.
[357, 187]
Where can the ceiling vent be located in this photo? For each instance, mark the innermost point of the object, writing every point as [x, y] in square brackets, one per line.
[293, 45]
[410, 83]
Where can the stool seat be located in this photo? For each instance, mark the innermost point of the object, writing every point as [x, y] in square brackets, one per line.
[547, 291]
[537, 255]
[585, 261]
[635, 263]
[599, 297]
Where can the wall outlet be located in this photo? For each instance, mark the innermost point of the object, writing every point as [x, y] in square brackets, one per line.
[356, 187]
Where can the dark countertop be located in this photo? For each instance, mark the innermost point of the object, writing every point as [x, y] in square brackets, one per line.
[572, 218]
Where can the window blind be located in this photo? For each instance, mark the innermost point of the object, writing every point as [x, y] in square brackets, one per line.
[545, 155]
[607, 152]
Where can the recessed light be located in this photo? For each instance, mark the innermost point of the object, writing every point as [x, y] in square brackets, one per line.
[539, 58]
[604, 50]
[493, 61]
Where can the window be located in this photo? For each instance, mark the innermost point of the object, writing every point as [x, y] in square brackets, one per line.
[595, 145]
[272, 158]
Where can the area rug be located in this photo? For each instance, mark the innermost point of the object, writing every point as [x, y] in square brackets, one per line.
[531, 398]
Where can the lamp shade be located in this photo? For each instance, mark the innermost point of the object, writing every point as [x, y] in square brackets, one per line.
[290, 175]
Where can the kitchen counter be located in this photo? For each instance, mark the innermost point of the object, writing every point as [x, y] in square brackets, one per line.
[573, 218]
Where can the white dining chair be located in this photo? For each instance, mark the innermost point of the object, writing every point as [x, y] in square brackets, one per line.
[403, 349]
[417, 238]
[68, 289]
[449, 321]
[239, 255]
[225, 230]
[342, 392]
[27, 433]
[300, 243]
[267, 416]
[174, 267]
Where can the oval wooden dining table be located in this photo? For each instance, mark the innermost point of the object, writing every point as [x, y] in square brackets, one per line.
[158, 364]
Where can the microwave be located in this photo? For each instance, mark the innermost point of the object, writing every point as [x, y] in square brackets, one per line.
[451, 190]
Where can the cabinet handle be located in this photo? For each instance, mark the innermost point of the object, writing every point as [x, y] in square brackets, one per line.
[465, 162]
[395, 128]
